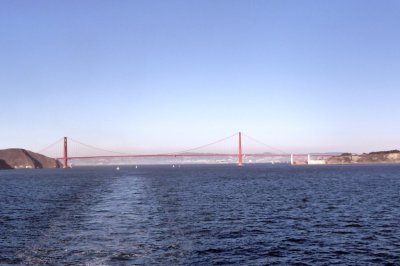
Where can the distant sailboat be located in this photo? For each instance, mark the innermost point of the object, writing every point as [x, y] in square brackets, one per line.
[117, 168]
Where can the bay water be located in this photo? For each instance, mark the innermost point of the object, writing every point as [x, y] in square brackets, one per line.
[201, 215]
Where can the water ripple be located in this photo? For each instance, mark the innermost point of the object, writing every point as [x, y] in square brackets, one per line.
[197, 215]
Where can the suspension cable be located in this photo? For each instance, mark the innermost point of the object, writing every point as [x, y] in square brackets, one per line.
[49, 146]
[262, 143]
[206, 145]
[93, 147]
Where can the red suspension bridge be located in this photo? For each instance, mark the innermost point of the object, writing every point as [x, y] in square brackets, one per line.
[67, 154]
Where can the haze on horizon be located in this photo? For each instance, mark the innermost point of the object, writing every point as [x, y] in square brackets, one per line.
[301, 76]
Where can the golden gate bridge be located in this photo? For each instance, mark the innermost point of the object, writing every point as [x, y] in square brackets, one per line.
[63, 152]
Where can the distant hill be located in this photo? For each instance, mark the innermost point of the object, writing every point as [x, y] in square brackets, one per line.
[20, 158]
[392, 156]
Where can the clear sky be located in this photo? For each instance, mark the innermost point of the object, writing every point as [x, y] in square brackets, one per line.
[302, 76]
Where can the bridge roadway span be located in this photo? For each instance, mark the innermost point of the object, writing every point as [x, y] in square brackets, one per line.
[188, 155]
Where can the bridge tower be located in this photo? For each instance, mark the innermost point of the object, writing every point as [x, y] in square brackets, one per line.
[65, 152]
[240, 154]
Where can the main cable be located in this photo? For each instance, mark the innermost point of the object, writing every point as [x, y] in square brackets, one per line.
[95, 148]
[206, 145]
[268, 146]
[49, 146]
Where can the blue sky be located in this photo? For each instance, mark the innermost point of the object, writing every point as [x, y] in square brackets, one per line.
[145, 76]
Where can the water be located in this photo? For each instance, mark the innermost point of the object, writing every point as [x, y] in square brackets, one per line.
[201, 215]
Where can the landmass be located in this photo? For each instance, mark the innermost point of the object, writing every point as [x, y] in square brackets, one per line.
[24, 159]
[392, 156]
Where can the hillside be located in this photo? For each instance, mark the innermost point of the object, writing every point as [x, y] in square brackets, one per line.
[20, 158]
[392, 156]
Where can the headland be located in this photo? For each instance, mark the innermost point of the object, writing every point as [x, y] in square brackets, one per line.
[24, 159]
[392, 156]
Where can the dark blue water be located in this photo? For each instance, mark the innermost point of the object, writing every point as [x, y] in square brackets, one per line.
[201, 215]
